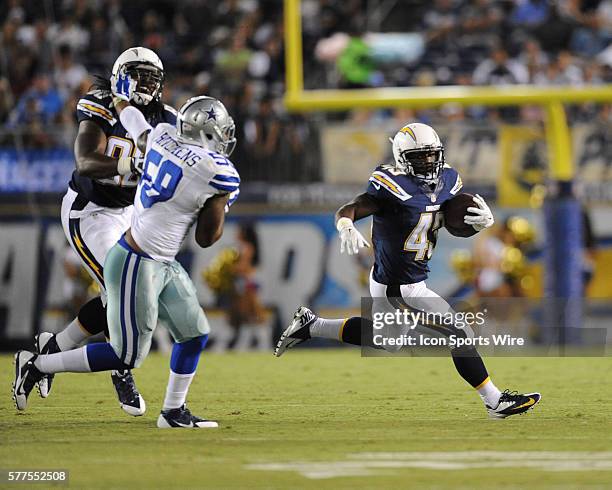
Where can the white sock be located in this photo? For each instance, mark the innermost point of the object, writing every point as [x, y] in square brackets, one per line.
[176, 393]
[489, 393]
[74, 361]
[327, 328]
[71, 336]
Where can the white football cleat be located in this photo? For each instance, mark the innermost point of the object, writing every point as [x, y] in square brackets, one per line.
[513, 403]
[26, 377]
[297, 332]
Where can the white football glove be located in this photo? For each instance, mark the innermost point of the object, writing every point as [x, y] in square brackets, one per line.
[350, 238]
[481, 216]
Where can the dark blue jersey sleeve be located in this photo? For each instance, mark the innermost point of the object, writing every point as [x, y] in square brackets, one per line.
[169, 115]
[452, 179]
[97, 106]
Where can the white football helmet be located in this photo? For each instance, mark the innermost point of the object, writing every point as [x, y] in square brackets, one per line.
[418, 151]
[146, 69]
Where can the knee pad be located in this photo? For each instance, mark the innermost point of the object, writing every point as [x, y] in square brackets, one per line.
[92, 317]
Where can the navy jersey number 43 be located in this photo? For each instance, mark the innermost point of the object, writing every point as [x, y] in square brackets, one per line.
[405, 228]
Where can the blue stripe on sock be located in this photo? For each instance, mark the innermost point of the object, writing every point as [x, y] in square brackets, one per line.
[122, 306]
[133, 310]
[185, 356]
[102, 357]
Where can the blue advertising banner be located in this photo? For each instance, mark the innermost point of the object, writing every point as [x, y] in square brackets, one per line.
[35, 170]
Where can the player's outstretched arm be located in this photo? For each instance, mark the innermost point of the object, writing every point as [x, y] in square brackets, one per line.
[89, 154]
[210, 220]
[360, 207]
[134, 121]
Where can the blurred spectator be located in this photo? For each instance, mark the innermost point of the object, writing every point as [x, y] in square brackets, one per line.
[6, 99]
[535, 60]
[17, 60]
[355, 63]
[564, 71]
[42, 102]
[267, 64]
[232, 276]
[153, 35]
[233, 62]
[441, 20]
[247, 312]
[39, 107]
[35, 37]
[531, 13]
[479, 21]
[99, 51]
[70, 77]
[263, 133]
[594, 31]
[69, 32]
[499, 258]
[558, 29]
[500, 70]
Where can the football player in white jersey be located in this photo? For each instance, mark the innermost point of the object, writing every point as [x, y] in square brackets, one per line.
[187, 179]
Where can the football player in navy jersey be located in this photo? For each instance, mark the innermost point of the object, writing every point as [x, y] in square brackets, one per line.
[97, 207]
[405, 200]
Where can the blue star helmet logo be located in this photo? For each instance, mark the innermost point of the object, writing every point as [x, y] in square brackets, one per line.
[211, 115]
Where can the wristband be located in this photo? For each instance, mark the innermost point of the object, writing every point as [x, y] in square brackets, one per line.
[344, 223]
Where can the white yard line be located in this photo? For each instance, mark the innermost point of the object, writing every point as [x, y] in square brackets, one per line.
[384, 463]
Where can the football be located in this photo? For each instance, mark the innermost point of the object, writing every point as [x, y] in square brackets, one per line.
[454, 211]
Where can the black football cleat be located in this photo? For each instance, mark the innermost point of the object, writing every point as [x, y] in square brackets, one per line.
[513, 403]
[182, 418]
[26, 377]
[297, 332]
[45, 343]
[130, 400]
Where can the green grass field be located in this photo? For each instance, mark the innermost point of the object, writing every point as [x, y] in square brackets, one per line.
[308, 419]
